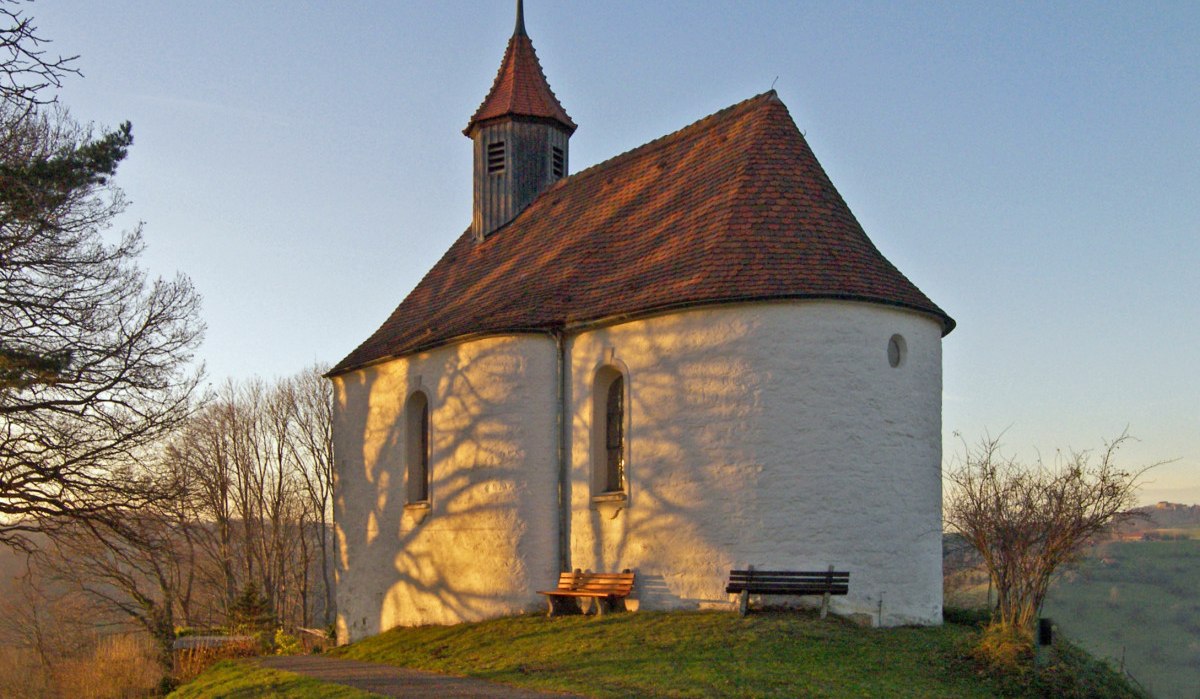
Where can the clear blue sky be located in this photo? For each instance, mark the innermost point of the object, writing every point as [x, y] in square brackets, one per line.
[1033, 167]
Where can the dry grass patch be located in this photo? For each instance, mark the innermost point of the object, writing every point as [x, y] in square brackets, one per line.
[121, 666]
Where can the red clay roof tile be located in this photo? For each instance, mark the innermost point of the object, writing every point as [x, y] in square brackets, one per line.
[520, 89]
[732, 208]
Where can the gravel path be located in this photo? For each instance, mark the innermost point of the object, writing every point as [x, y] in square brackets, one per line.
[393, 681]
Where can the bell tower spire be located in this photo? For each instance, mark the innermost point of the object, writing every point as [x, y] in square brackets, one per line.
[521, 135]
[520, 28]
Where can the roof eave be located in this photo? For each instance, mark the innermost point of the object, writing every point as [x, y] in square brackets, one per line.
[948, 324]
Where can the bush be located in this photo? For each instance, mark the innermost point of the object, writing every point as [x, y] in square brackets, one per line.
[1062, 671]
[1005, 648]
[286, 644]
[967, 616]
[190, 662]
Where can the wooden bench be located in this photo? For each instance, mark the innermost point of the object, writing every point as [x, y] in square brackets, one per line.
[608, 589]
[787, 582]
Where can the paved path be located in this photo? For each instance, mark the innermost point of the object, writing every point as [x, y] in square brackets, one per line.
[392, 681]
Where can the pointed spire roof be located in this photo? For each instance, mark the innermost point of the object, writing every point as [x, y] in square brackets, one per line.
[733, 208]
[521, 88]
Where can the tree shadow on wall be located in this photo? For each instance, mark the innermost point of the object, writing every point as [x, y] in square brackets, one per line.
[472, 557]
[692, 431]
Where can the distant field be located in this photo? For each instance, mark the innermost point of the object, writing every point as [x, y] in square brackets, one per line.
[1179, 533]
[1140, 600]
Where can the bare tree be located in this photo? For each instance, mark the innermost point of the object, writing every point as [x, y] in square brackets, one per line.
[26, 70]
[311, 446]
[94, 356]
[132, 567]
[257, 457]
[1028, 521]
[49, 623]
[197, 454]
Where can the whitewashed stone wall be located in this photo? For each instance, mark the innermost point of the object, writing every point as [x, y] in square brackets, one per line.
[490, 538]
[774, 435]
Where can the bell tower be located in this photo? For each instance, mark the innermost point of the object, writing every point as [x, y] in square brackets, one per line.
[520, 136]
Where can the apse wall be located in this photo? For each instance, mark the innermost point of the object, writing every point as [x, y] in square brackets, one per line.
[778, 435]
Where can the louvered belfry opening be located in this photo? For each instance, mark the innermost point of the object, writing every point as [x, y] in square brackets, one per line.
[558, 162]
[495, 157]
[521, 135]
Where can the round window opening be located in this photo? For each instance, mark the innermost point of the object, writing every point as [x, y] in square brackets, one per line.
[896, 350]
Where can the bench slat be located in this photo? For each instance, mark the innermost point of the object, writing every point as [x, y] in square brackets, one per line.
[803, 583]
[791, 579]
[592, 585]
[793, 590]
[789, 573]
[788, 582]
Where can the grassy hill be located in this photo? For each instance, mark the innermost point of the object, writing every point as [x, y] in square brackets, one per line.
[715, 654]
[1139, 600]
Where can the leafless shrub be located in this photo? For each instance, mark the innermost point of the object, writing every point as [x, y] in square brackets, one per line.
[1028, 520]
[190, 662]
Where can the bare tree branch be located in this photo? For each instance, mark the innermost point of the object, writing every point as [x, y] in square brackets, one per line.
[94, 356]
[26, 70]
[1028, 521]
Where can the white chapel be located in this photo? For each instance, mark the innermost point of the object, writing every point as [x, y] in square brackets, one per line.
[685, 359]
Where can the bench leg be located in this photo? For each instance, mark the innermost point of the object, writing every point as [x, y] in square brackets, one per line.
[608, 605]
[824, 605]
[559, 606]
[743, 603]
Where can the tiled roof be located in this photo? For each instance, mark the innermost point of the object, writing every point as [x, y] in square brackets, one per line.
[520, 88]
[734, 207]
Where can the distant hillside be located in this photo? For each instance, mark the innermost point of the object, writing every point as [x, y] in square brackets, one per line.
[1137, 600]
[1183, 520]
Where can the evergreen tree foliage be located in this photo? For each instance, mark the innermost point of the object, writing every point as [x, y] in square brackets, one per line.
[251, 611]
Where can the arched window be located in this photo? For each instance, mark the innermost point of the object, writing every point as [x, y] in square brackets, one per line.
[609, 449]
[614, 436]
[417, 447]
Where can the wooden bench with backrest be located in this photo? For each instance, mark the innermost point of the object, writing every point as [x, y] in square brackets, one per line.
[787, 582]
[608, 589]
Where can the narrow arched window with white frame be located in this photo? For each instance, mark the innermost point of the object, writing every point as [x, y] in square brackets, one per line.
[416, 416]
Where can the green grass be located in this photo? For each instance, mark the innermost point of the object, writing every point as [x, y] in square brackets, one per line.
[716, 654]
[1138, 600]
[242, 679]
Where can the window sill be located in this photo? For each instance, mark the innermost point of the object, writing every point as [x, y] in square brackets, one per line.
[418, 511]
[610, 504]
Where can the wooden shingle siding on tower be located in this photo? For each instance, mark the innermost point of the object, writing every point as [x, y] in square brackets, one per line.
[527, 171]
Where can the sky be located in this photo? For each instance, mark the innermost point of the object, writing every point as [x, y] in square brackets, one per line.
[1033, 167]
